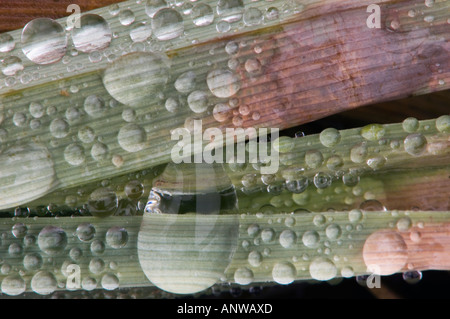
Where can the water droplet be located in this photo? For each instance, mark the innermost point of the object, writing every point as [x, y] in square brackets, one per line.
[350, 179]
[97, 247]
[59, 128]
[254, 258]
[347, 272]
[19, 230]
[412, 277]
[126, 17]
[35, 164]
[32, 261]
[311, 238]
[13, 285]
[223, 26]
[322, 269]
[11, 65]
[94, 106]
[186, 82]
[167, 24]
[372, 205]
[358, 153]
[99, 151]
[230, 10]
[116, 237]
[355, 215]
[6, 42]
[376, 162]
[96, 265]
[223, 83]
[153, 6]
[243, 276]
[232, 48]
[114, 9]
[103, 202]
[134, 189]
[272, 13]
[410, 125]
[86, 134]
[385, 252]
[415, 144]
[202, 15]
[330, 137]
[221, 112]
[322, 180]
[85, 232]
[19, 119]
[333, 231]
[44, 41]
[136, 78]
[52, 240]
[283, 144]
[298, 185]
[132, 137]
[429, 3]
[267, 235]
[404, 224]
[443, 124]
[140, 32]
[15, 249]
[287, 238]
[110, 282]
[74, 154]
[314, 158]
[253, 16]
[284, 273]
[92, 35]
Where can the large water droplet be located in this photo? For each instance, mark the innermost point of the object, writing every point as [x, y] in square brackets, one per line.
[35, 164]
[13, 285]
[243, 276]
[109, 282]
[284, 273]
[52, 240]
[44, 41]
[103, 202]
[410, 125]
[223, 83]
[330, 137]
[94, 106]
[44, 283]
[116, 237]
[322, 269]
[200, 201]
[186, 82]
[253, 16]
[443, 123]
[74, 154]
[85, 232]
[202, 14]
[167, 24]
[136, 78]
[415, 144]
[32, 261]
[311, 239]
[59, 128]
[287, 238]
[140, 32]
[93, 34]
[198, 101]
[132, 137]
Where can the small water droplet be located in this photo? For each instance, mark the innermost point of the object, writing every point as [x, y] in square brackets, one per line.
[330, 137]
[153, 6]
[96, 265]
[202, 14]
[132, 138]
[110, 282]
[19, 230]
[314, 158]
[358, 153]
[284, 273]
[59, 128]
[322, 180]
[7, 43]
[322, 269]
[230, 10]
[243, 276]
[287, 238]
[126, 17]
[410, 125]
[74, 154]
[333, 231]
[404, 224]
[11, 65]
[252, 16]
[19, 119]
[103, 202]
[415, 144]
[116, 237]
[311, 238]
[223, 26]
[412, 277]
[272, 13]
[85, 232]
[32, 261]
[443, 124]
[255, 258]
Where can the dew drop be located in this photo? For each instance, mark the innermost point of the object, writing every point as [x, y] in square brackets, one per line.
[272, 13]
[255, 258]
[311, 238]
[412, 277]
[404, 224]
[252, 16]
[443, 124]
[19, 119]
[6, 42]
[74, 154]
[110, 282]
[350, 179]
[372, 205]
[99, 151]
[136, 78]
[313, 158]
[153, 6]
[186, 82]
[287, 238]
[19, 230]
[415, 144]
[202, 14]
[85, 232]
[333, 231]
[230, 10]
[132, 138]
[298, 185]
[13, 285]
[284, 273]
[243, 276]
[59, 128]
[267, 235]
[103, 202]
[167, 24]
[373, 132]
[358, 153]
[32, 261]
[52, 240]
[330, 137]
[221, 112]
[97, 247]
[126, 17]
[116, 237]
[410, 125]
[44, 41]
[92, 35]
[223, 83]
[96, 265]
[322, 180]
[11, 65]
[322, 269]
[134, 189]
[140, 32]
[355, 215]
